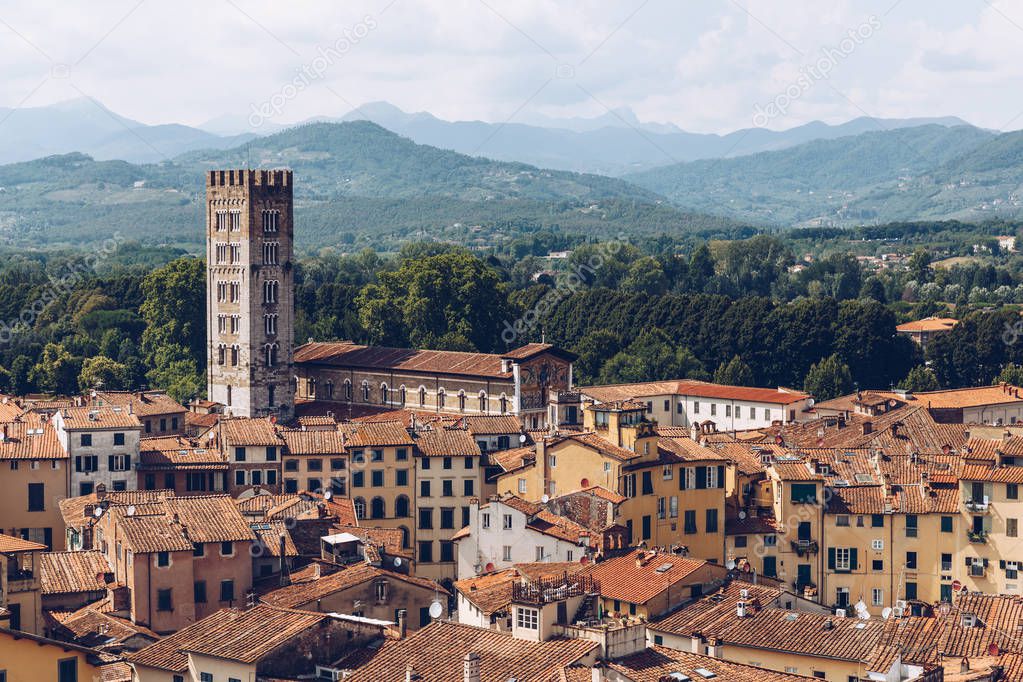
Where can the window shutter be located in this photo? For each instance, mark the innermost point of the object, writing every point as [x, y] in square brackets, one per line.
[110, 462]
[968, 562]
[721, 475]
[852, 559]
[701, 477]
[78, 462]
[831, 558]
[1001, 564]
[127, 462]
[985, 563]
[682, 478]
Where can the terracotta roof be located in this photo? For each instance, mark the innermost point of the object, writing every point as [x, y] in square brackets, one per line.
[596, 442]
[533, 349]
[69, 572]
[93, 625]
[246, 431]
[657, 663]
[491, 592]
[985, 472]
[687, 450]
[178, 452]
[436, 653]
[314, 442]
[388, 539]
[714, 610]
[212, 518]
[268, 538]
[297, 594]
[928, 324]
[620, 578]
[513, 458]
[143, 403]
[148, 534]
[370, 434]
[96, 418]
[752, 525]
[795, 470]
[402, 359]
[232, 634]
[493, 425]
[10, 409]
[601, 492]
[72, 509]
[691, 387]
[446, 442]
[30, 439]
[12, 545]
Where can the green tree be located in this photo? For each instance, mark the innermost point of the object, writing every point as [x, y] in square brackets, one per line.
[177, 373]
[451, 299]
[57, 371]
[102, 372]
[920, 378]
[734, 373]
[21, 371]
[174, 309]
[646, 275]
[920, 266]
[594, 349]
[828, 379]
[873, 288]
[1012, 373]
[651, 356]
[701, 268]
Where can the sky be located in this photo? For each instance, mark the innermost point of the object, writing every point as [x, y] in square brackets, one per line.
[702, 65]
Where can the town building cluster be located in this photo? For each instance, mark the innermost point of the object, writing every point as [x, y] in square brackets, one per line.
[344, 512]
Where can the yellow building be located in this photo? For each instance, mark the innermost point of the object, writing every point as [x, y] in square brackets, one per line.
[20, 594]
[989, 514]
[30, 658]
[794, 490]
[35, 476]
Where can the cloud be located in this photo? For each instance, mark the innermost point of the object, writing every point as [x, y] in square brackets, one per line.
[703, 66]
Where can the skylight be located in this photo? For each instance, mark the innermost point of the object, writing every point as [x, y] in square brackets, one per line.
[703, 672]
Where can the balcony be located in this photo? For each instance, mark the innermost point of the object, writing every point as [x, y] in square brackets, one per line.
[549, 590]
[801, 547]
[983, 507]
[977, 536]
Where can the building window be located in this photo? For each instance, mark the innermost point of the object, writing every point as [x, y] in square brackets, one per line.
[485, 520]
[528, 619]
[164, 601]
[911, 560]
[67, 670]
[163, 559]
[426, 518]
[911, 525]
[506, 553]
[1011, 491]
[86, 440]
[426, 552]
[843, 559]
[507, 522]
[712, 520]
[841, 520]
[227, 548]
[199, 591]
[1012, 528]
[946, 524]
[877, 520]
[226, 590]
[522, 486]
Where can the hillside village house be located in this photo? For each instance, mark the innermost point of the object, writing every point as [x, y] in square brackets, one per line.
[314, 460]
[159, 414]
[923, 331]
[187, 466]
[998, 405]
[102, 445]
[34, 471]
[687, 402]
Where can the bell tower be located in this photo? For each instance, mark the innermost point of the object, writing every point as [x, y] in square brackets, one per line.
[250, 292]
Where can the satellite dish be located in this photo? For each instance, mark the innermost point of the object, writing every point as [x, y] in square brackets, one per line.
[131, 510]
[397, 561]
[436, 610]
[730, 564]
[97, 512]
[886, 614]
[522, 438]
[545, 499]
[742, 514]
[860, 606]
[328, 494]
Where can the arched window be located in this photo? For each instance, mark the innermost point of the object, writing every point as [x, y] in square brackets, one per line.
[483, 402]
[221, 354]
[235, 350]
[385, 394]
[348, 390]
[270, 350]
[461, 401]
[330, 389]
[401, 507]
[365, 391]
[504, 404]
[440, 399]
[422, 397]
[270, 287]
[406, 538]
[311, 384]
[229, 395]
[360, 507]
[377, 508]
[401, 396]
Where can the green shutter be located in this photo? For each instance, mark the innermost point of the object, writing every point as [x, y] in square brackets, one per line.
[701, 477]
[721, 476]
[831, 558]
[852, 559]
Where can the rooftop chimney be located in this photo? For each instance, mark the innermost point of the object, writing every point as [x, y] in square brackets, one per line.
[402, 622]
[471, 667]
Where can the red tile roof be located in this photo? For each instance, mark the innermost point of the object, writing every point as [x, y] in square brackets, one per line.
[404, 359]
[436, 653]
[691, 387]
[97, 418]
[374, 434]
[70, 572]
[657, 663]
[12, 545]
[446, 442]
[621, 578]
[246, 431]
[298, 594]
[30, 439]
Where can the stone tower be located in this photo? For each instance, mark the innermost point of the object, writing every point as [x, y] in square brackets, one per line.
[250, 292]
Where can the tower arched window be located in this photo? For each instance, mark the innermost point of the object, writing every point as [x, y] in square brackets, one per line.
[365, 391]
[235, 352]
[229, 395]
[270, 350]
[385, 394]
[483, 401]
[270, 324]
[440, 399]
[422, 397]
[461, 401]
[221, 354]
[406, 538]
[311, 387]
[270, 291]
[504, 404]
[348, 390]
[401, 396]
[330, 390]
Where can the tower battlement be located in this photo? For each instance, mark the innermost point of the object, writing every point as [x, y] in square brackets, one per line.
[266, 179]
